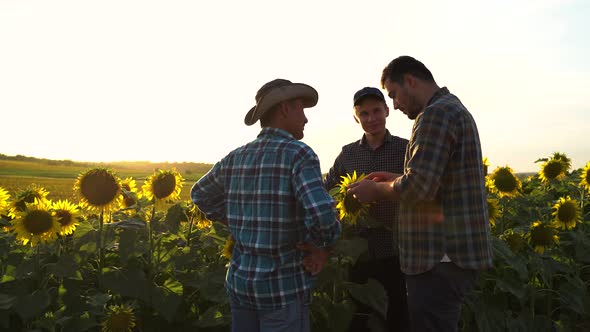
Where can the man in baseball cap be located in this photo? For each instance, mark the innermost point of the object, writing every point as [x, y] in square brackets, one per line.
[377, 150]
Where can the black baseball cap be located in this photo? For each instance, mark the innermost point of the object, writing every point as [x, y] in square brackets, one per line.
[365, 92]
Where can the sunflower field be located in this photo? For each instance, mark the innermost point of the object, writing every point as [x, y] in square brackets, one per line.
[124, 258]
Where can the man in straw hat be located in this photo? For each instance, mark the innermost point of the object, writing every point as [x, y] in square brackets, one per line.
[270, 193]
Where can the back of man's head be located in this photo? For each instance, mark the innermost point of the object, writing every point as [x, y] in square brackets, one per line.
[400, 66]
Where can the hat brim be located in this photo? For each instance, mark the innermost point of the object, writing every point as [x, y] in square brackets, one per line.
[294, 90]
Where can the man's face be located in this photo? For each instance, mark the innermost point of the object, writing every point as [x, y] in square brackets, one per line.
[404, 97]
[296, 119]
[371, 114]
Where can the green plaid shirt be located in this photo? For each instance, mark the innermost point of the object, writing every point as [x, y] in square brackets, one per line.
[271, 194]
[443, 198]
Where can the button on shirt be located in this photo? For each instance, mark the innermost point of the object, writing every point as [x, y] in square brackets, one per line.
[443, 199]
[271, 194]
[360, 157]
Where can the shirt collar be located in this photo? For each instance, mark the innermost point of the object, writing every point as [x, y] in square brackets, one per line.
[271, 131]
[439, 93]
[388, 138]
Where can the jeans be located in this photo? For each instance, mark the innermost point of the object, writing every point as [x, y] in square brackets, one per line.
[292, 318]
[435, 297]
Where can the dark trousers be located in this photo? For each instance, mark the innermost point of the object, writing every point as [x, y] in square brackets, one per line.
[435, 297]
[387, 272]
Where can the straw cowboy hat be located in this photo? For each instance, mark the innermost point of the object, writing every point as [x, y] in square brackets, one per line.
[277, 91]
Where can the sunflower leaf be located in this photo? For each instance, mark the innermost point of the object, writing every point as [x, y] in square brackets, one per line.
[371, 294]
[32, 305]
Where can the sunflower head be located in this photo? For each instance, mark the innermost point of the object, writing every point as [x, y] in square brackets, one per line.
[4, 196]
[552, 169]
[567, 213]
[504, 182]
[515, 241]
[36, 224]
[350, 209]
[228, 247]
[119, 318]
[67, 215]
[486, 165]
[128, 193]
[565, 161]
[493, 210]
[542, 236]
[585, 177]
[163, 185]
[98, 189]
[28, 195]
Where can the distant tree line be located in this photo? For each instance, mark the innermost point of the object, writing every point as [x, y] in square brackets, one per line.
[183, 167]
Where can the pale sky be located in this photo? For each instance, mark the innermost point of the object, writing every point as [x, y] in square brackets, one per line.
[172, 80]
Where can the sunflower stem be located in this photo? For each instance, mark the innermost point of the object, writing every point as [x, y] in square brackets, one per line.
[99, 241]
[151, 238]
[190, 229]
[38, 266]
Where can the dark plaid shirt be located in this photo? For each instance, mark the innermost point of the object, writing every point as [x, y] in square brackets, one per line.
[443, 198]
[359, 157]
[271, 194]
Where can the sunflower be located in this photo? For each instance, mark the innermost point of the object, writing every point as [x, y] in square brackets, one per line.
[27, 195]
[228, 247]
[504, 182]
[542, 236]
[4, 196]
[348, 206]
[493, 210]
[515, 240]
[565, 161]
[567, 212]
[128, 193]
[99, 189]
[552, 169]
[119, 318]
[163, 185]
[67, 216]
[486, 165]
[585, 177]
[36, 223]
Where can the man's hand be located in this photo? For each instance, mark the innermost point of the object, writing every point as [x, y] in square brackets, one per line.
[382, 176]
[315, 257]
[369, 190]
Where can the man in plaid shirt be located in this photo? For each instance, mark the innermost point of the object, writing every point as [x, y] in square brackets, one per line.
[270, 193]
[377, 150]
[444, 230]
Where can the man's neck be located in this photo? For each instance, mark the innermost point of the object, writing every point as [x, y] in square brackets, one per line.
[429, 91]
[375, 140]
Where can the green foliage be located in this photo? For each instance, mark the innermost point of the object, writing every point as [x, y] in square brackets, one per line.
[167, 266]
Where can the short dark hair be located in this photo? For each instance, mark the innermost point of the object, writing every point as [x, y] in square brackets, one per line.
[403, 65]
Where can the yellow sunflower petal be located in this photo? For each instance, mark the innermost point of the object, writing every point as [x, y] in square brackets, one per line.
[36, 224]
[163, 185]
[99, 189]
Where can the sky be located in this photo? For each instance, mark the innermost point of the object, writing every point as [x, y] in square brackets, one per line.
[173, 80]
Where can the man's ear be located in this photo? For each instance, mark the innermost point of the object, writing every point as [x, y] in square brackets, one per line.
[386, 110]
[409, 80]
[355, 117]
[284, 109]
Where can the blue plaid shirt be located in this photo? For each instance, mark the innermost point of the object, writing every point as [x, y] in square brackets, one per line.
[271, 194]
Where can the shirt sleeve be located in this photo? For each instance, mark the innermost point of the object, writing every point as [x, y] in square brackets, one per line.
[335, 173]
[208, 194]
[320, 214]
[429, 152]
